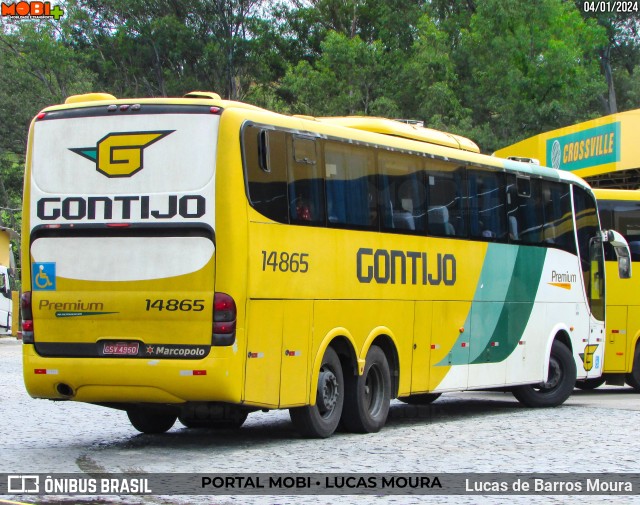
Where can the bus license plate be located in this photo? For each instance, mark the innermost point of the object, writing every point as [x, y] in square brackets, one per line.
[121, 348]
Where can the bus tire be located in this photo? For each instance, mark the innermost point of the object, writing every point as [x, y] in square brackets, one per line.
[367, 396]
[633, 378]
[152, 420]
[559, 384]
[321, 420]
[420, 399]
[588, 384]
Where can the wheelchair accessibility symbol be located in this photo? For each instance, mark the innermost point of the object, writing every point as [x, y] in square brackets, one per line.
[44, 276]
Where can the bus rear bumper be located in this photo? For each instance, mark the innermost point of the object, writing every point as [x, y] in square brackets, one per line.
[118, 380]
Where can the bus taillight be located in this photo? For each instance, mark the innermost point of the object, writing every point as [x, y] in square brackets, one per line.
[27, 318]
[224, 320]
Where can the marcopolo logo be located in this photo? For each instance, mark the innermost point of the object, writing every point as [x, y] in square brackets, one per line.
[120, 154]
[31, 10]
[177, 351]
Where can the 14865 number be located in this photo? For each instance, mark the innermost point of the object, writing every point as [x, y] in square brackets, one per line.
[285, 262]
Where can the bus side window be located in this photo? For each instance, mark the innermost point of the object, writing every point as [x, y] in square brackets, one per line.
[306, 185]
[403, 190]
[524, 209]
[350, 184]
[587, 227]
[558, 221]
[446, 194]
[265, 162]
[487, 216]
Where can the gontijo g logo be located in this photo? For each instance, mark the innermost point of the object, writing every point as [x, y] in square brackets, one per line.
[120, 154]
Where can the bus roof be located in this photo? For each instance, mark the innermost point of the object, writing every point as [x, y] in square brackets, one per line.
[371, 129]
[617, 194]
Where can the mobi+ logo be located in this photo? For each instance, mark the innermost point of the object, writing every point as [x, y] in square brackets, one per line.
[120, 154]
[31, 10]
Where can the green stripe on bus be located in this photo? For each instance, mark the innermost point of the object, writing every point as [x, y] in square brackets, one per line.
[502, 305]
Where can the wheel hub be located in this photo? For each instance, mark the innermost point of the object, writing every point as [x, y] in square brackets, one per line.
[555, 374]
[327, 391]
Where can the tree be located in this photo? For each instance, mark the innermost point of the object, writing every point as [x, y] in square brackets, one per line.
[346, 80]
[531, 67]
[38, 69]
[619, 55]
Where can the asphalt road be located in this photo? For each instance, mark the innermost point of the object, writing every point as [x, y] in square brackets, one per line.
[594, 432]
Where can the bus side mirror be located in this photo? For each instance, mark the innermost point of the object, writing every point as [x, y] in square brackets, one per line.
[624, 262]
[621, 249]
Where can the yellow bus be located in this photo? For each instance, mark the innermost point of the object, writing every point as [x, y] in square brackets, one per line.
[199, 259]
[620, 210]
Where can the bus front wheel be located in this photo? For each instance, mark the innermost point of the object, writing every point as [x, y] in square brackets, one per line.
[559, 384]
[152, 420]
[321, 420]
[367, 396]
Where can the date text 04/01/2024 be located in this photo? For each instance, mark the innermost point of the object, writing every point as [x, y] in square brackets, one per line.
[617, 6]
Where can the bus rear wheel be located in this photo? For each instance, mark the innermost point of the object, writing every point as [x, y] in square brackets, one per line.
[420, 399]
[367, 396]
[559, 384]
[152, 420]
[321, 420]
[633, 378]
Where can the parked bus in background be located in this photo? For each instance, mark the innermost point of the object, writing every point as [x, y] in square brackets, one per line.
[620, 210]
[606, 153]
[7, 281]
[200, 259]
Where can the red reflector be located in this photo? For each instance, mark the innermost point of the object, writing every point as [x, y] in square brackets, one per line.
[615, 331]
[40, 371]
[27, 325]
[41, 115]
[199, 372]
[124, 107]
[118, 225]
[620, 353]
[224, 327]
[214, 110]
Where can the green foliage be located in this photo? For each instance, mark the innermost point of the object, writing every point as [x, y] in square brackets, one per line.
[346, 80]
[532, 67]
[496, 71]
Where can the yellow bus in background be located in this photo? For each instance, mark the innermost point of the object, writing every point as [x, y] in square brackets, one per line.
[7, 282]
[620, 210]
[199, 259]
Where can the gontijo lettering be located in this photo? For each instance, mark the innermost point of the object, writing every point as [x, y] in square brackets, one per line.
[75, 208]
[401, 267]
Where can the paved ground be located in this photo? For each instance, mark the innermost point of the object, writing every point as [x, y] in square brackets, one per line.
[594, 432]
